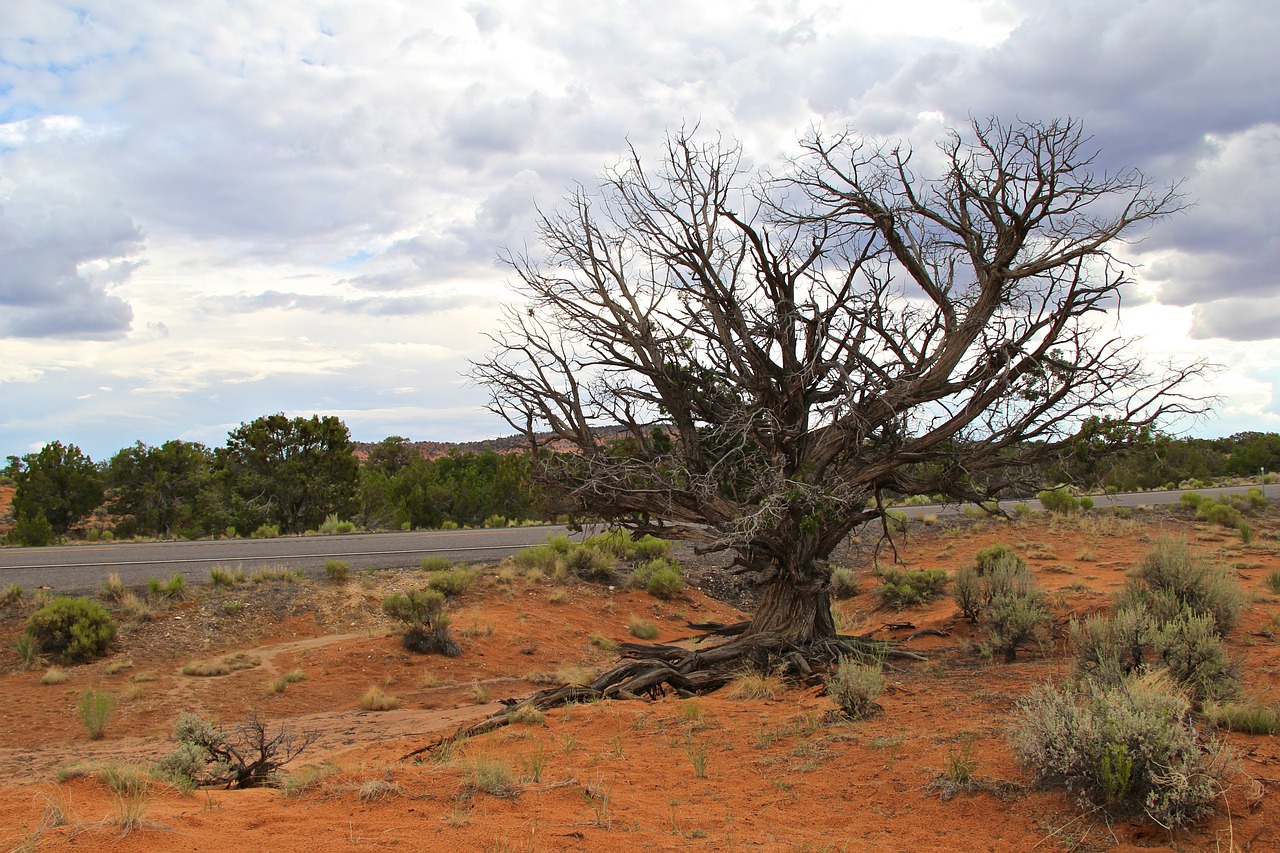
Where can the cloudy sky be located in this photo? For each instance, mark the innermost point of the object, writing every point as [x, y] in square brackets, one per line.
[211, 211]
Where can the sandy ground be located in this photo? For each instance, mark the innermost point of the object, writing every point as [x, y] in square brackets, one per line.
[713, 773]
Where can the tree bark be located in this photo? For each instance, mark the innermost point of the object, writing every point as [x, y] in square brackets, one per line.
[797, 614]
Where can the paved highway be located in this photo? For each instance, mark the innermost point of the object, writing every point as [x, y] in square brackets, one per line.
[80, 567]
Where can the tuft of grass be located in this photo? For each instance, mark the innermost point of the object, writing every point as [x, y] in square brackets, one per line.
[225, 666]
[603, 643]
[753, 684]
[224, 577]
[1252, 717]
[374, 699]
[477, 694]
[490, 776]
[1273, 582]
[54, 675]
[119, 666]
[305, 779]
[642, 629]
[436, 563]
[698, 757]
[378, 789]
[96, 708]
[11, 596]
[113, 588]
[278, 685]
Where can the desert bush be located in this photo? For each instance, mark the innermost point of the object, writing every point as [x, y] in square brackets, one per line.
[915, 586]
[95, 708]
[1192, 500]
[1085, 502]
[1058, 501]
[642, 629]
[844, 583]
[452, 582]
[590, 563]
[71, 629]
[248, 756]
[650, 548]
[266, 531]
[1189, 647]
[423, 611]
[660, 577]
[1246, 532]
[337, 571]
[1221, 514]
[1127, 749]
[1107, 650]
[970, 593]
[1017, 612]
[993, 555]
[542, 558]
[855, 687]
[1172, 579]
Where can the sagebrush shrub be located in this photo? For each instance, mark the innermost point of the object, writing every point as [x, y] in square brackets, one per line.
[1017, 612]
[451, 582]
[590, 563]
[71, 629]
[993, 555]
[660, 577]
[1109, 649]
[844, 582]
[423, 611]
[855, 687]
[1058, 501]
[1127, 749]
[1190, 649]
[1173, 579]
[337, 571]
[915, 586]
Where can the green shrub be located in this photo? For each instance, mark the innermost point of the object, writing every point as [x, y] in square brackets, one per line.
[33, 532]
[337, 571]
[1273, 582]
[1190, 649]
[11, 596]
[28, 650]
[1016, 612]
[993, 555]
[175, 587]
[266, 531]
[660, 577]
[496, 520]
[1058, 501]
[435, 563]
[970, 593]
[1192, 500]
[855, 687]
[903, 589]
[1107, 650]
[451, 582]
[1129, 749]
[448, 524]
[650, 548]
[1224, 515]
[590, 563]
[1085, 502]
[1172, 579]
[71, 629]
[423, 611]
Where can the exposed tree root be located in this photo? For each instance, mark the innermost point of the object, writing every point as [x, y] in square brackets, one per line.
[653, 670]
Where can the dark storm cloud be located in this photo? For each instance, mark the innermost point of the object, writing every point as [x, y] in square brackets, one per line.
[1237, 319]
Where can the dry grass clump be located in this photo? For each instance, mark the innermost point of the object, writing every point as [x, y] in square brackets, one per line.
[374, 699]
[753, 684]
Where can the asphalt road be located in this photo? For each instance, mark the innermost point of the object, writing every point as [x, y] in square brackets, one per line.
[81, 567]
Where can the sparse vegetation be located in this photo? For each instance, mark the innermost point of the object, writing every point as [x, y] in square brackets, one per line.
[915, 586]
[660, 577]
[337, 571]
[642, 629]
[96, 708]
[248, 756]
[423, 611]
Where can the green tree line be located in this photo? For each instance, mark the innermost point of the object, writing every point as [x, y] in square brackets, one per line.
[274, 475]
[291, 474]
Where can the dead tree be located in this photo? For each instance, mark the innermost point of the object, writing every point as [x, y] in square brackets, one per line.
[779, 351]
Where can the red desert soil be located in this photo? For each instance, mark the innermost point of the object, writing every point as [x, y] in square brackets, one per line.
[776, 775]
